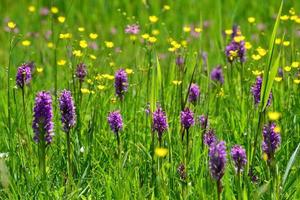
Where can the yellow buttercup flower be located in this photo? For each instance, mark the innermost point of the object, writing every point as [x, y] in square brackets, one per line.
[273, 116]
[101, 87]
[284, 17]
[251, 20]
[296, 81]
[31, 8]
[93, 57]
[145, 36]
[85, 91]
[286, 43]
[39, 69]
[108, 76]
[248, 45]
[50, 45]
[155, 32]
[261, 51]
[295, 64]
[112, 64]
[287, 68]
[166, 7]
[77, 53]
[113, 100]
[198, 30]
[228, 32]
[61, 62]
[65, 35]
[277, 41]
[129, 71]
[256, 57]
[26, 43]
[152, 39]
[153, 19]
[239, 38]
[93, 36]
[109, 44]
[54, 9]
[292, 11]
[186, 29]
[176, 82]
[11, 25]
[257, 73]
[83, 44]
[171, 49]
[161, 152]
[277, 129]
[265, 156]
[278, 79]
[61, 19]
[81, 29]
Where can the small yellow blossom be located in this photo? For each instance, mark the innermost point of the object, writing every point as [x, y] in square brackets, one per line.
[132, 37]
[176, 82]
[145, 36]
[155, 32]
[61, 62]
[101, 87]
[239, 38]
[287, 68]
[248, 45]
[286, 43]
[153, 19]
[89, 81]
[295, 64]
[284, 17]
[81, 29]
[293, 18]
[257, 73]
[221, 93]
[296, 81]
[26, 43]
[31, 8]
[228, 32]
[112, 64]
[171, 49]
[54, 10]
[277, 129]
[292, 11]
[77, 53]
[273, 116]
[113, 100]
[93, 36]
[93, 57]
[109, 44]
[297, 20]
[198, 29]
[166, 7]
[161, 152]
[83, 44]
[251, 20]
[278, 79]
[50, 45]
[256, 57]
[39, 69]
[186, 29]
[261, 51]
[265, 156]
[184, 43]
[85, 91]
[129, 71]
[152, 39]
[11, 25]
[108, 76]
[61, 19]
[65, 35]
[277, 41]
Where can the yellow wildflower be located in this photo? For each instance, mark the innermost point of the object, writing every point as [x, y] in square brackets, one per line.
[256, 57]
[54, 9]
[161, 152]
[31, 8]
[39, 69]
[273, 116]
[277, 41]
[81, 29]
[257, 73]
[284, 17]
[26, 43]
[145, 36]
[85, 91]
[109, 44]
[93, 57]
[295, 64]
[101, 87]
[248, 45]
[129, 71]
[61, 19]
[152, 39]
[228, 32]
[93, 36]
[176, 82]
[296, 81]
[286, 43]
[287, 68]
[153, 19]
[50, 45]
[11, 25]
[155, 32]
[251, 20]
[77, 53]
[278, 79]
[261, 51]
[166, 7]
[61, 62]
[186, 29]
[198, 30]
[83, 44]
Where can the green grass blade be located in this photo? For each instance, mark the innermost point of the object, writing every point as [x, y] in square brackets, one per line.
[290, 164]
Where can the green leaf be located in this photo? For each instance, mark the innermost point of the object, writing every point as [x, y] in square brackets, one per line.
[290, 164]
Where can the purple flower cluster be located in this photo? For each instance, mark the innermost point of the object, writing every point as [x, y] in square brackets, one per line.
[179, 61]
[181, 171]
[271, 140]
[236, 49]
[209, 137]
[256, 91]
[42, 124]
[203, 121]
[217, 160]
[115, 121]
[187, 118]
[133, 29]
[160, 123]
[67, 109]
[23, 76]
[81, 71]
[121, 83]
[238, 154]
[217, 74]
[194, 93]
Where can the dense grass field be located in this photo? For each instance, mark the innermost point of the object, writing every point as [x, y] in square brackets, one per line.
[141, 99]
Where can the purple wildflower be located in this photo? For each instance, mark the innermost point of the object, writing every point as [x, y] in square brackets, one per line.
[239, 157]
[81, 72]
[203, 121]
[42, 124]
[271, 140]
[280, 72]
[236, 48]
[115, 121]
[209, 137]
[194, 93]
[160, 123]
[217, 74]
[133, 29]
[179, 61]
[67, 109]
[187, 118]
[23, 76]
[217, 160]
[256, 91]
[121, 83]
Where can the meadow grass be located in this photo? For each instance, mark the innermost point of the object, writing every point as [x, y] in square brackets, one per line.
[88, 162]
